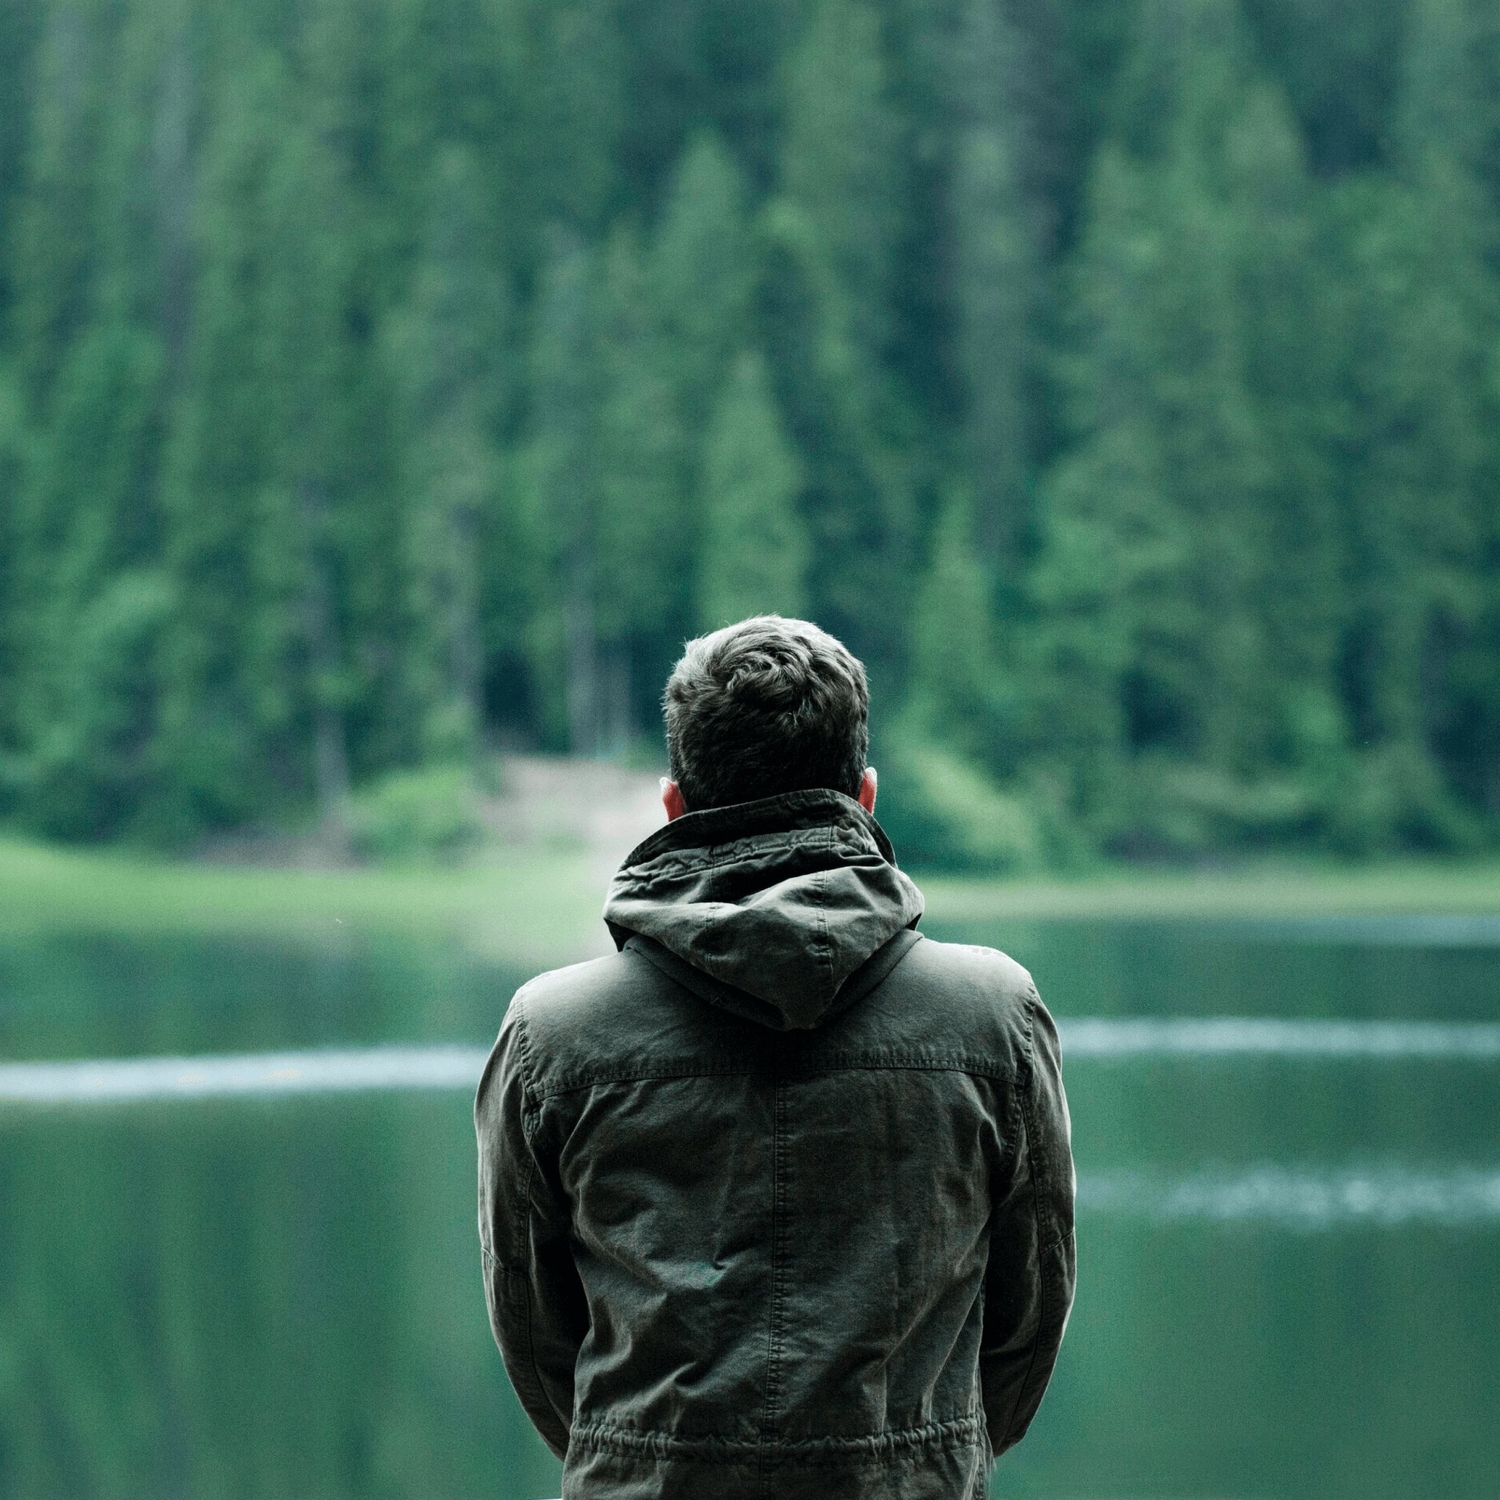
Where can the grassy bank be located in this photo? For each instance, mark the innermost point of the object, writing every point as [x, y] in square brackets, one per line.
[543, 905]
[531, 909]
[1261, 889]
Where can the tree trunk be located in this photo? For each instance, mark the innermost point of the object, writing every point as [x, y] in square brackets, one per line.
[582, 653]
[330, 750]
[614, 698]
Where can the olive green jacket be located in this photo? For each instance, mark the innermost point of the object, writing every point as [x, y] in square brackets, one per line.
[777, 1201]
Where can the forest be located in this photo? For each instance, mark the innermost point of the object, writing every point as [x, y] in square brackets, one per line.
[385, 382]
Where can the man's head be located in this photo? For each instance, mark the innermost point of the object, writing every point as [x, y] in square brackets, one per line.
[764, 707]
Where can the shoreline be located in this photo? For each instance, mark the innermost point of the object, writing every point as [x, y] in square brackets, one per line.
[541, 905]
[1264, 888]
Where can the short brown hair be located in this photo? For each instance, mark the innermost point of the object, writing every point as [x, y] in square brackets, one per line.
[764, 707]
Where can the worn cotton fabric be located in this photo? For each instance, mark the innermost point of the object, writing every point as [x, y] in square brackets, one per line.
[777, 1200]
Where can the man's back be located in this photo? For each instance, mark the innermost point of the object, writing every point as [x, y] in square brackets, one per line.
[776, 1201]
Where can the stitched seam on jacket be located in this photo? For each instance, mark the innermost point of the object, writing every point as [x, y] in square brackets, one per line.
[778, 1264]
[825, 949]
[505, 1305]
[833, 1063]
[1014, 1128]
[903, 1062]
[705, 858]
[529, 1122]
[888, 1445]
[565, 1418]
[1029, 1112]
[528, 1073]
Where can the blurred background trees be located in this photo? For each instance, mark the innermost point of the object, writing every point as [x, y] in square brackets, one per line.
[384, 381]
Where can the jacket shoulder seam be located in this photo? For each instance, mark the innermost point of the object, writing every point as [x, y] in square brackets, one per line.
[574, 1083]
[908, 1061]
[528, 1068]
[847, 1063]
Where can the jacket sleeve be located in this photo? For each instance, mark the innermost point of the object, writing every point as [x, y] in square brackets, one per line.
[1033, 1265]
[536, 1301]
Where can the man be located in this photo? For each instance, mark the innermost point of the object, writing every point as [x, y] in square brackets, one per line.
[777, 1200]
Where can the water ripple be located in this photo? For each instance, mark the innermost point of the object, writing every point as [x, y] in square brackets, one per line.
[130, 1080]
[1300, 1198]
[135, 1079]
[1230, 1036]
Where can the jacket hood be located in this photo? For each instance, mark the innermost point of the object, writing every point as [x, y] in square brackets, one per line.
[767, 908]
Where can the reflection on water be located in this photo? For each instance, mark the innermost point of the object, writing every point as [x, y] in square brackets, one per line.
[1289, 1232]
[135, 1080]
[251, 1299]
[1472, 931]
[1250, 1036]
[109, 1081]
[108, 996]
[1308, 1198]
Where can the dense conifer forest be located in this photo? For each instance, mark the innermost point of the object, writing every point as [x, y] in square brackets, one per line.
[385, 380]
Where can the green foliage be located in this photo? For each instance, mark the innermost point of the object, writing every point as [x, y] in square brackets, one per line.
[960, 689]
[943, 810]
[701, 273]
[997, 279]
[380, 378]
[423, 815]
[446, 352]
[13, 466]
[754, 558]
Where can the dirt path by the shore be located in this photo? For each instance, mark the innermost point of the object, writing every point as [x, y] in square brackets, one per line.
[538, 804]
[597, 806]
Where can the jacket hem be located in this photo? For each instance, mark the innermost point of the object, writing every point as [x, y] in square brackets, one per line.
[875, 1447]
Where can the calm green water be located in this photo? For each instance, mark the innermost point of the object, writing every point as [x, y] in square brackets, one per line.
[1289, 1265]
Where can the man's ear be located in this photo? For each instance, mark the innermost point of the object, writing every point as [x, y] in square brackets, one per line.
[867, 786]
[671, 799]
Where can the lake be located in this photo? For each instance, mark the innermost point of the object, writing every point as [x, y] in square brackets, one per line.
[1289, 1237]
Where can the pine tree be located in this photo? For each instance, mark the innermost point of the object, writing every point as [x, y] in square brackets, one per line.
[13, 465]
[21, 25]
[257, 683]
[87, 529]
[214, 440]
[92, 605]
[51, 259]
[841, 162]
[302, 533]
[998, 233]
[1421, 326]
[956, 742]
[1158, 559]
[957, 678]
[700, 275]
[643, 521]
[568, 83]
[755, 548]
[561, 489]
[828, 247]
[450, 358]
[1165, 333]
